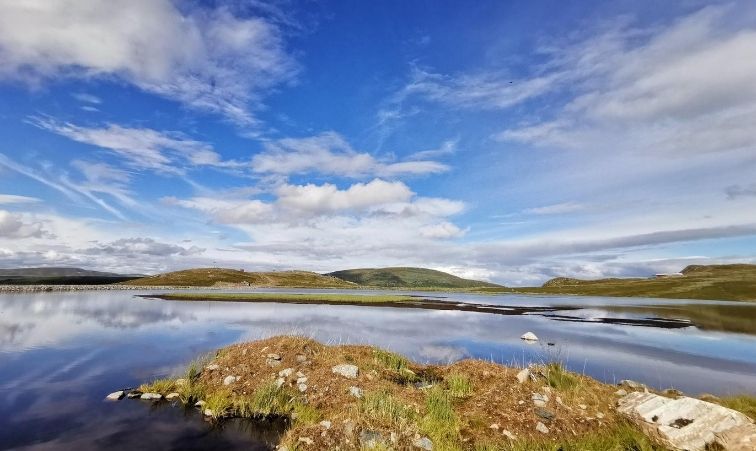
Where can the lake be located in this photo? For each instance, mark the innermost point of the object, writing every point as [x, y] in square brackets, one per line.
[61, 353]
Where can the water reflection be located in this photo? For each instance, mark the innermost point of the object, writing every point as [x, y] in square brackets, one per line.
[60, 353]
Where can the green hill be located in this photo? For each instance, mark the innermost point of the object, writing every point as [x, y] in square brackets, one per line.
[59, 276]
[407, 278]
[723, 282]
[208, 277]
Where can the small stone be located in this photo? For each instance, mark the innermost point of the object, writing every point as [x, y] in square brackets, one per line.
[302, 387]
[286, 372]
[279, 382]
[544, 413]
[529, 336]
[300, 358]
[423, 443]
[302, 380]
[509, 435]
[356, 392]
[116, 395]
[520, 402]
[273, 362]
[199, 404]
[171, 396]
[346, 370]
[523, 376]
[208, 412]
[134, 394]
[306, 440]
[325, 424]
[151, 396]
[621, 392]
[273, 356]
[540, 427]
[230, 380]
[212, 367]
[371, 439]
[494, 426]
[540, 400]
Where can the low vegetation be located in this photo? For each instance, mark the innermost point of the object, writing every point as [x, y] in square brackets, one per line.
[407, 278]
[719, 282]
[315, 298]
[394, 403]
[221, 277]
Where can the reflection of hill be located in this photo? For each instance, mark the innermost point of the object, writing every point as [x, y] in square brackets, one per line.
[724, 318]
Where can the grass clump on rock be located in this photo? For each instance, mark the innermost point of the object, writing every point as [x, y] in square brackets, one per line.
[467, 405]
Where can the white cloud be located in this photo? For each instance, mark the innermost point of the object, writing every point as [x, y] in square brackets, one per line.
[136, 247]
[328, 198]
[557, 209]
[206, 59]
[15, 226]
[86, 98]
[329, 153]
[14, 199]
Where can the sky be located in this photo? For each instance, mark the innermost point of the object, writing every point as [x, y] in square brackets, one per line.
[511, 141]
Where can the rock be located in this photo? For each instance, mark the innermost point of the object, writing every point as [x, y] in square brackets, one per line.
[539, 400]
[279, 382]
[151, 396]
[207, 412]
[346, 370]
[349, 428]
[544, 413]
[423, 443]
[300, 374]
[509, 435]
[302, 380]
[116, 396]
[529, 336]
[273, 356]
[199, 404]
[300, 358]
[228, 380]
[302, 387]
[134, 394]
[688, 423]
[540, 427]
[632, 385]
[306, 440]
[286, 372]
[212, 367]
[372, 439]
[325, 424]
[171, 396]
[621, 392]
[523, 376]
[494, 426]
[356, 392]
[273, 362]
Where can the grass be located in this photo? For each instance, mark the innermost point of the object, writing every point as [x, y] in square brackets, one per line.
[208, 277]
[162, 386]
[391, 360]
[334, 298]
[407, 278]
[622, 437]
[742, 403]
[383, 409]
[219, 403]
[459, 385]
[559, 378]
[440, 421]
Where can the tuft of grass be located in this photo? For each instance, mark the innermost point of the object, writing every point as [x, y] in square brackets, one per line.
[440, 421]
[743, 403]
[390, 360]
[269, 399]
[162, 386]
[220, 403]
[305, 413]
[622, 437]
[559, 378]
[195, 367]
[383, 408]
[459, 385]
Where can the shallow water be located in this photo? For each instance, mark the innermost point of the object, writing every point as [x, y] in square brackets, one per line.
[61, 353]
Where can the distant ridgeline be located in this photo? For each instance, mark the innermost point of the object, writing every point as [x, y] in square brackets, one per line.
[60, 276]
[407, 278]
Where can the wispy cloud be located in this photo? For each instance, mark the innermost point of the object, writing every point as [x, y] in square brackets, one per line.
[15, 199]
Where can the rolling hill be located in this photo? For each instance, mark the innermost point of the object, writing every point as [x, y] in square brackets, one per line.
[724, 282]
[407, 278]
[59, 276]
[208, 277]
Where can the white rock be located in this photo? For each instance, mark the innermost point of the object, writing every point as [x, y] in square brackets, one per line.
[274, 356]
[523, 376]
[529, 336]
[540, 400]
[689, 424]
[208, 412]
[279, 382]
[346, 370]
[509, 435]
[540, 427]
[230, 380]
[212, 367]
[325, 424]
[356, 392]
[116, 395]
[173, 395]
[151, 396]
[423, 443]
[494, 426]
[286, 372]
[582, 406]
[302, 387]
[199, 403]
[302, 380]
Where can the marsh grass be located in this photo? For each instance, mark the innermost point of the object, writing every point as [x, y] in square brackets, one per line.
[195, 367]
[440, 421]
[559, 378]
[384, 409]
[459, 385]
[390, 360]
[162, 386]
[219, 403]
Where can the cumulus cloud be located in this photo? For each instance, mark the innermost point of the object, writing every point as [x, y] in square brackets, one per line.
[328, 198]
[136, 247]
[14, 225]
[207, 59]
[329, 153]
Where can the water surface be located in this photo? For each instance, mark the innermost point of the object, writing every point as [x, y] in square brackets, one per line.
[61, 353]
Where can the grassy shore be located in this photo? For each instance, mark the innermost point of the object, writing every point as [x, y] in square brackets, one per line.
[394, 403]
[294, 298]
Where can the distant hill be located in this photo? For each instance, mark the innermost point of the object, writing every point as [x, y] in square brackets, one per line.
[407, 278]
[724, 282]
[208, 277]
[59, 276]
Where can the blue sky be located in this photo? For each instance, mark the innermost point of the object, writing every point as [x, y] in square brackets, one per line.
[511, 141]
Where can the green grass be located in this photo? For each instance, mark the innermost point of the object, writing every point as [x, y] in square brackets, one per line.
[220, 404]
[623, 437]
[743, 403]
[287, 297]
[719, 282]
[459, 385]
[407, 278]
[384, 409]
[390, 360]
[560, 378]
[162, 386]
[440, 421]
[208, 277]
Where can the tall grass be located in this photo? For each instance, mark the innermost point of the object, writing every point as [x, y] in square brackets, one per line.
[440, 421]
[384, 409]
[459, 385]
[622, 437]
[742, 403]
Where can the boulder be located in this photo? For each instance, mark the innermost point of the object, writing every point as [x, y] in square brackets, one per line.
[544, 413]
[302, 387]
[134, 394]
[116, 395]
[346, 370]
[688, 423]
[529, 336]
[372, 440]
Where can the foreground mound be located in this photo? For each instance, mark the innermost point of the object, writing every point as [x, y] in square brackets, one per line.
[353, 397]
[230, 278]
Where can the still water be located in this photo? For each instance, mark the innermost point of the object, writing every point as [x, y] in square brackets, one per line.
[61, 353]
